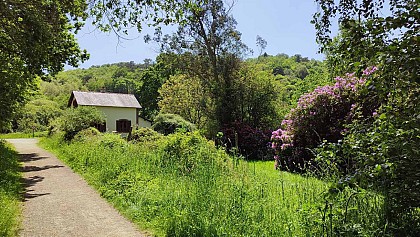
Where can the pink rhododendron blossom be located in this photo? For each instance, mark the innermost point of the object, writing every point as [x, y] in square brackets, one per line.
[285, 145]
[286, 122]
[369, 70]
[314, 107]
[273, 145]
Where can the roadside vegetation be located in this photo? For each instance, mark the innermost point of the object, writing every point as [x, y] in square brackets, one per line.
[183, 185]
[10, 191]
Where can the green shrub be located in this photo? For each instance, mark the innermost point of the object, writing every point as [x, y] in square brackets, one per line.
[186, 153]
[112, 141]
[87, 134]
[75, 120]
[145, 135]
[322, 114]
[170, 123]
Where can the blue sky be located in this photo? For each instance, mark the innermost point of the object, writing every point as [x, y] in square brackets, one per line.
[284, 24]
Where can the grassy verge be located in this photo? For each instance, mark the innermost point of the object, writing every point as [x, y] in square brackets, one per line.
[10, 189]
[181, 185]
[22, 135]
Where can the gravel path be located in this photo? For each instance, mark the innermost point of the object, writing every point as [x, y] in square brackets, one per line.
[58, 202]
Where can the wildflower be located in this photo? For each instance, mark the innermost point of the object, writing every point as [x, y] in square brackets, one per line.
[285, 145]
[369, 70]
[274, 145]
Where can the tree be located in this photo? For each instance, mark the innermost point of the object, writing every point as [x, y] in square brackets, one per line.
[185, 96]
[390, 42]
[256, 93]
[153, 78]
[261, 44]
[37, 115]
[123, 81]
[211, 49]
[36, 37]
[120, 15]
[320, 116]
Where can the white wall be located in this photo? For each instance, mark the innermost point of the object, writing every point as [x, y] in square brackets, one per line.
[144, 123]
[115, 113]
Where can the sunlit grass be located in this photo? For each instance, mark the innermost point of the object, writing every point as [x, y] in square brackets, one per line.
[22, 135]
[10, 190]
[183, 186]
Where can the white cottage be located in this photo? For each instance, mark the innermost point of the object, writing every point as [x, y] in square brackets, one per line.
[121, 110]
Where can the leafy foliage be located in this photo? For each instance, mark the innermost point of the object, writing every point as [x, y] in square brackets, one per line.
[37, 115]
[112, 141]
[170, 123]
[319, 116]
[145, 135]
[185, 96]
[209, 49]
[389, 41]
[286, 84]
[119, 16]
[35, 37]
[152, 80]
[75, 120]
[86, 134]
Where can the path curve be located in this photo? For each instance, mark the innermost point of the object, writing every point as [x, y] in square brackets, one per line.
[58, 202]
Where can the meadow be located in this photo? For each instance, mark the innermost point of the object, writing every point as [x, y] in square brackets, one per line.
[182, 185]
[10, 191]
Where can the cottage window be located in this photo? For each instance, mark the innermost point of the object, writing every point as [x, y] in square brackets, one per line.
[100, 127]
[123, 125]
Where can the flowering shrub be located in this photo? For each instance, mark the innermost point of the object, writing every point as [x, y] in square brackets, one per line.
[320, 116]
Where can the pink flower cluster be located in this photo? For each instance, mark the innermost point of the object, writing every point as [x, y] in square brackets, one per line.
[314, 104]
[280, 136]
[336, 91]
[369, 70]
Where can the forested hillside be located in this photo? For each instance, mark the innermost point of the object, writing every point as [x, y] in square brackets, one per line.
[264, 90]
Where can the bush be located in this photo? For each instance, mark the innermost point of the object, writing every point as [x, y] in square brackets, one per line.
[319, 116]
[112, 141]
[75, 120]
[189, 153]
[145, 135]
[87, 134]
[253, 143]
[170, 123]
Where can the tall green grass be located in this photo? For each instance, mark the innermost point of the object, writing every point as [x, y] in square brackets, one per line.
[182, 185]
[10, 190]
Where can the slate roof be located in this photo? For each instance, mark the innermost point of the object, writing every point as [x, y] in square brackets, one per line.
[104, 99]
